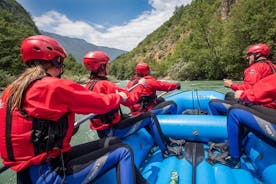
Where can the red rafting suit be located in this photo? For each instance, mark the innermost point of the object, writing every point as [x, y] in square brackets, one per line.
[149, 92]
[50, 99]
[253, 74]
[262, 93]
[102, 85]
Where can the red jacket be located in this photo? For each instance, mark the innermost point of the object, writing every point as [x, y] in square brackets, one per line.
[49, 98]
[253, 74]
[263, 92]
[152, 85]
[107, 87]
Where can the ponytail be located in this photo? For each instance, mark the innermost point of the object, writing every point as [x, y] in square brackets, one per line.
[17, 87]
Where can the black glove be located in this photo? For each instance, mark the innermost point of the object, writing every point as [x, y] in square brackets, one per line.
[178, 86]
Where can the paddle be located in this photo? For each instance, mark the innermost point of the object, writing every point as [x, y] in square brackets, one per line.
[194, 153]
[166, 92]
[83, 119]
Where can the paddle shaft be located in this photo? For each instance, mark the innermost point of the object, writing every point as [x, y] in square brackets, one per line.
[162, 94]
[165, 92]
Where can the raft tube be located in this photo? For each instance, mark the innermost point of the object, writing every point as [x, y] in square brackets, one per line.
[201, 128]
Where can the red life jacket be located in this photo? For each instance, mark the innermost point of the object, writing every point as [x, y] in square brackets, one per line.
[103, 121]
[145, 102]
[27, 140]
[148, 98]
[263, 92]
[254, 73]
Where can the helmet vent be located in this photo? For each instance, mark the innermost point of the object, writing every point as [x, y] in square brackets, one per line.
[36, 48]
[49, 48]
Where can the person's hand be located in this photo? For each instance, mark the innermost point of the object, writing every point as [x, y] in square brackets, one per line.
[178, 86]
[142, 81]
[123, 95]
[238, 94]
[227, 83]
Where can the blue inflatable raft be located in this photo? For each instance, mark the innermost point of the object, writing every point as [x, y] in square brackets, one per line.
[258, 164]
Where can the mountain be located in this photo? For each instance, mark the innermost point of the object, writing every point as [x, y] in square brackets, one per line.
[206, 39]
[79, 47]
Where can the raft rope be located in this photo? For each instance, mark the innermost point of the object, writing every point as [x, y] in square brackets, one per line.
[198, 103]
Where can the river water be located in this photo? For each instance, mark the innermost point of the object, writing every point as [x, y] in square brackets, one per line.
[85, 134]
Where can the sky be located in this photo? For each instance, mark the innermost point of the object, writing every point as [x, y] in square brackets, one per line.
[120, 24]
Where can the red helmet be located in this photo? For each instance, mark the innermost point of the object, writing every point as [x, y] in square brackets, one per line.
[94, 59]
[262, 49]
[142, 69]
[41, 47]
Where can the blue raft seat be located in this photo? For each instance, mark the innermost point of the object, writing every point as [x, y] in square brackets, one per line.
[157, 171]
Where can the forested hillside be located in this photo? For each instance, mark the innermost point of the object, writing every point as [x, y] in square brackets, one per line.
[15, 25]
[204, 40]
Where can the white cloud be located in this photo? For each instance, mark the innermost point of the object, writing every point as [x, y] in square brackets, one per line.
[124, 37]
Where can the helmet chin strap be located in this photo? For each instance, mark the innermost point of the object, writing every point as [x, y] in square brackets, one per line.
[258, 57]
[61, 73]
[261, 58]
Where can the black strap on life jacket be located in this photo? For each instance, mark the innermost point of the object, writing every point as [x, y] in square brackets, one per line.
[109, 116]
[94, 81]
[272, 67]
[8, 130]
[45, 134]
[146, 101]
[9, 120]
[20, 108]
[92, 84]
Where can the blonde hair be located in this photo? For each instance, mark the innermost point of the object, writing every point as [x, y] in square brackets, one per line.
[16, 88]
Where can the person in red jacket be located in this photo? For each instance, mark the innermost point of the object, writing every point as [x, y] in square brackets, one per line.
[148, 100]
[259, 67]
[258, 116]
[115, 123]
[37, 120]
[262, 93]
